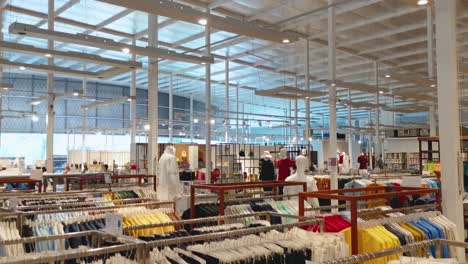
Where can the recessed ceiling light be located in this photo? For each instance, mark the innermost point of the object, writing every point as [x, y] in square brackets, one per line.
[203, 21]
[129, 99]
[333, 84]
[146, 127]
[76, 93]
[433, 85]
[212, 121]
[22, 68]
[125, 50]
[48, 55]
[422, 2]
[195, 120]
[35, 118]
[380, 92]
[387, 76]
[285, 40]
[36, 103]
[203, 63]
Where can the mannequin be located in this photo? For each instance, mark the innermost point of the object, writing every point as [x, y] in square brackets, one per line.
[299, 176]
[267, 169]
[169, 186]
[344, 162]
[284, 165]
[362, 160]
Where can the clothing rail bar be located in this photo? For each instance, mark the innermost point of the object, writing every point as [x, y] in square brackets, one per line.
[213, 219]
[52, 206]
[411, 208]
[247, 231]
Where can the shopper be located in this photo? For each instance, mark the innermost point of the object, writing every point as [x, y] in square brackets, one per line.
[267, 169]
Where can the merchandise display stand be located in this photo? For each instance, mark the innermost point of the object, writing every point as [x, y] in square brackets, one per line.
[220, 189]
[19, 180]
[82, 179]
[353, 196]
[431, 153]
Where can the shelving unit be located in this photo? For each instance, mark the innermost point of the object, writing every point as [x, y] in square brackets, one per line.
[396, 161]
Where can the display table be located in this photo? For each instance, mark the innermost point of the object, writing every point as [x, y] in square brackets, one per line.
[114, 178]
[21, 179]
[59, 178]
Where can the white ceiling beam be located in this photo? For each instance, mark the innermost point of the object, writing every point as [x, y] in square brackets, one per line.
[110, 44]
[186, 13]
[218, 3]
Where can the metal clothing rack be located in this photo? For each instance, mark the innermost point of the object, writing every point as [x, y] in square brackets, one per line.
[221, 219]
[220, 189]
[97, 239]
[226, 234]
[353, 196]
[402, 249]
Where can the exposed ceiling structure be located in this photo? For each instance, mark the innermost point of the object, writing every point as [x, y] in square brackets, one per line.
[263, 40]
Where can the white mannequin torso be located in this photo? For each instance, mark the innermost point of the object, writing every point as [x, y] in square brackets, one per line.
[299, 176]
[169, 186]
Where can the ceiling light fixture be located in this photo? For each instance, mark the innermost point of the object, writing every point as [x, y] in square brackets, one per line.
[126, 50]
[422, 2]
[36, 102]
[203, 21]
[34, 118]
[333, 84]
[285, 41]
[381, 92]
[388, 76]
[129, 99]
[212, 121]
[433, 85]
[146, 127]
[195, 121]
[76, 93]
[48, 55]
[22, 68]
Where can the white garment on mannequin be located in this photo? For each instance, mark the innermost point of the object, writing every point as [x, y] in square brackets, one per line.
[346, 164]
[169, 186]
[299, 176]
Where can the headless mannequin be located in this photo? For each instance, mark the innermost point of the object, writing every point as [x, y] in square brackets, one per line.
[285, 167]
[345, 164]
[169, 186]
[299, 176]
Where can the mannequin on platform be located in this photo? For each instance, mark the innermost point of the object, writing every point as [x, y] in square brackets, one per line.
[299, 176]
[363, 162]
[285, 165]
[169, 186]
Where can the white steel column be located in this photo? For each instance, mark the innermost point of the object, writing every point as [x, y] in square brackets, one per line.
[296, 112]
[237, 112]
[84, 124]
[191, 118]
[430, 70]
[449, 126]
[226, 81]
[307, 100]
[170, 127]
[133, 115]
[350, 131]
[153, 113]
[377, 113]
[50, 95]
[208, 105]
[332, 98]
[289, 140]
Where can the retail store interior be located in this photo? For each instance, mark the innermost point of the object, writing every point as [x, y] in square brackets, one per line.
[234, 131]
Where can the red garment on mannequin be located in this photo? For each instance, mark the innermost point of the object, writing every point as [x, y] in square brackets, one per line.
[284, 166]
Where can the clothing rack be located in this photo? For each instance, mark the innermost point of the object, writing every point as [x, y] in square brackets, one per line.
[97, 236]
[222, 188]
[83, 179]
[402, 249]
[226, 234]
[82, 204]
[223, 218]
[353, 196]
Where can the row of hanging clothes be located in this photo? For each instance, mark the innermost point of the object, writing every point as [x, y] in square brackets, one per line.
[295, 246]
[399, 230]
[289, 207]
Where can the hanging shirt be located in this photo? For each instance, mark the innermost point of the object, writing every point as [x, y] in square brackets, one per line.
[284, 168]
